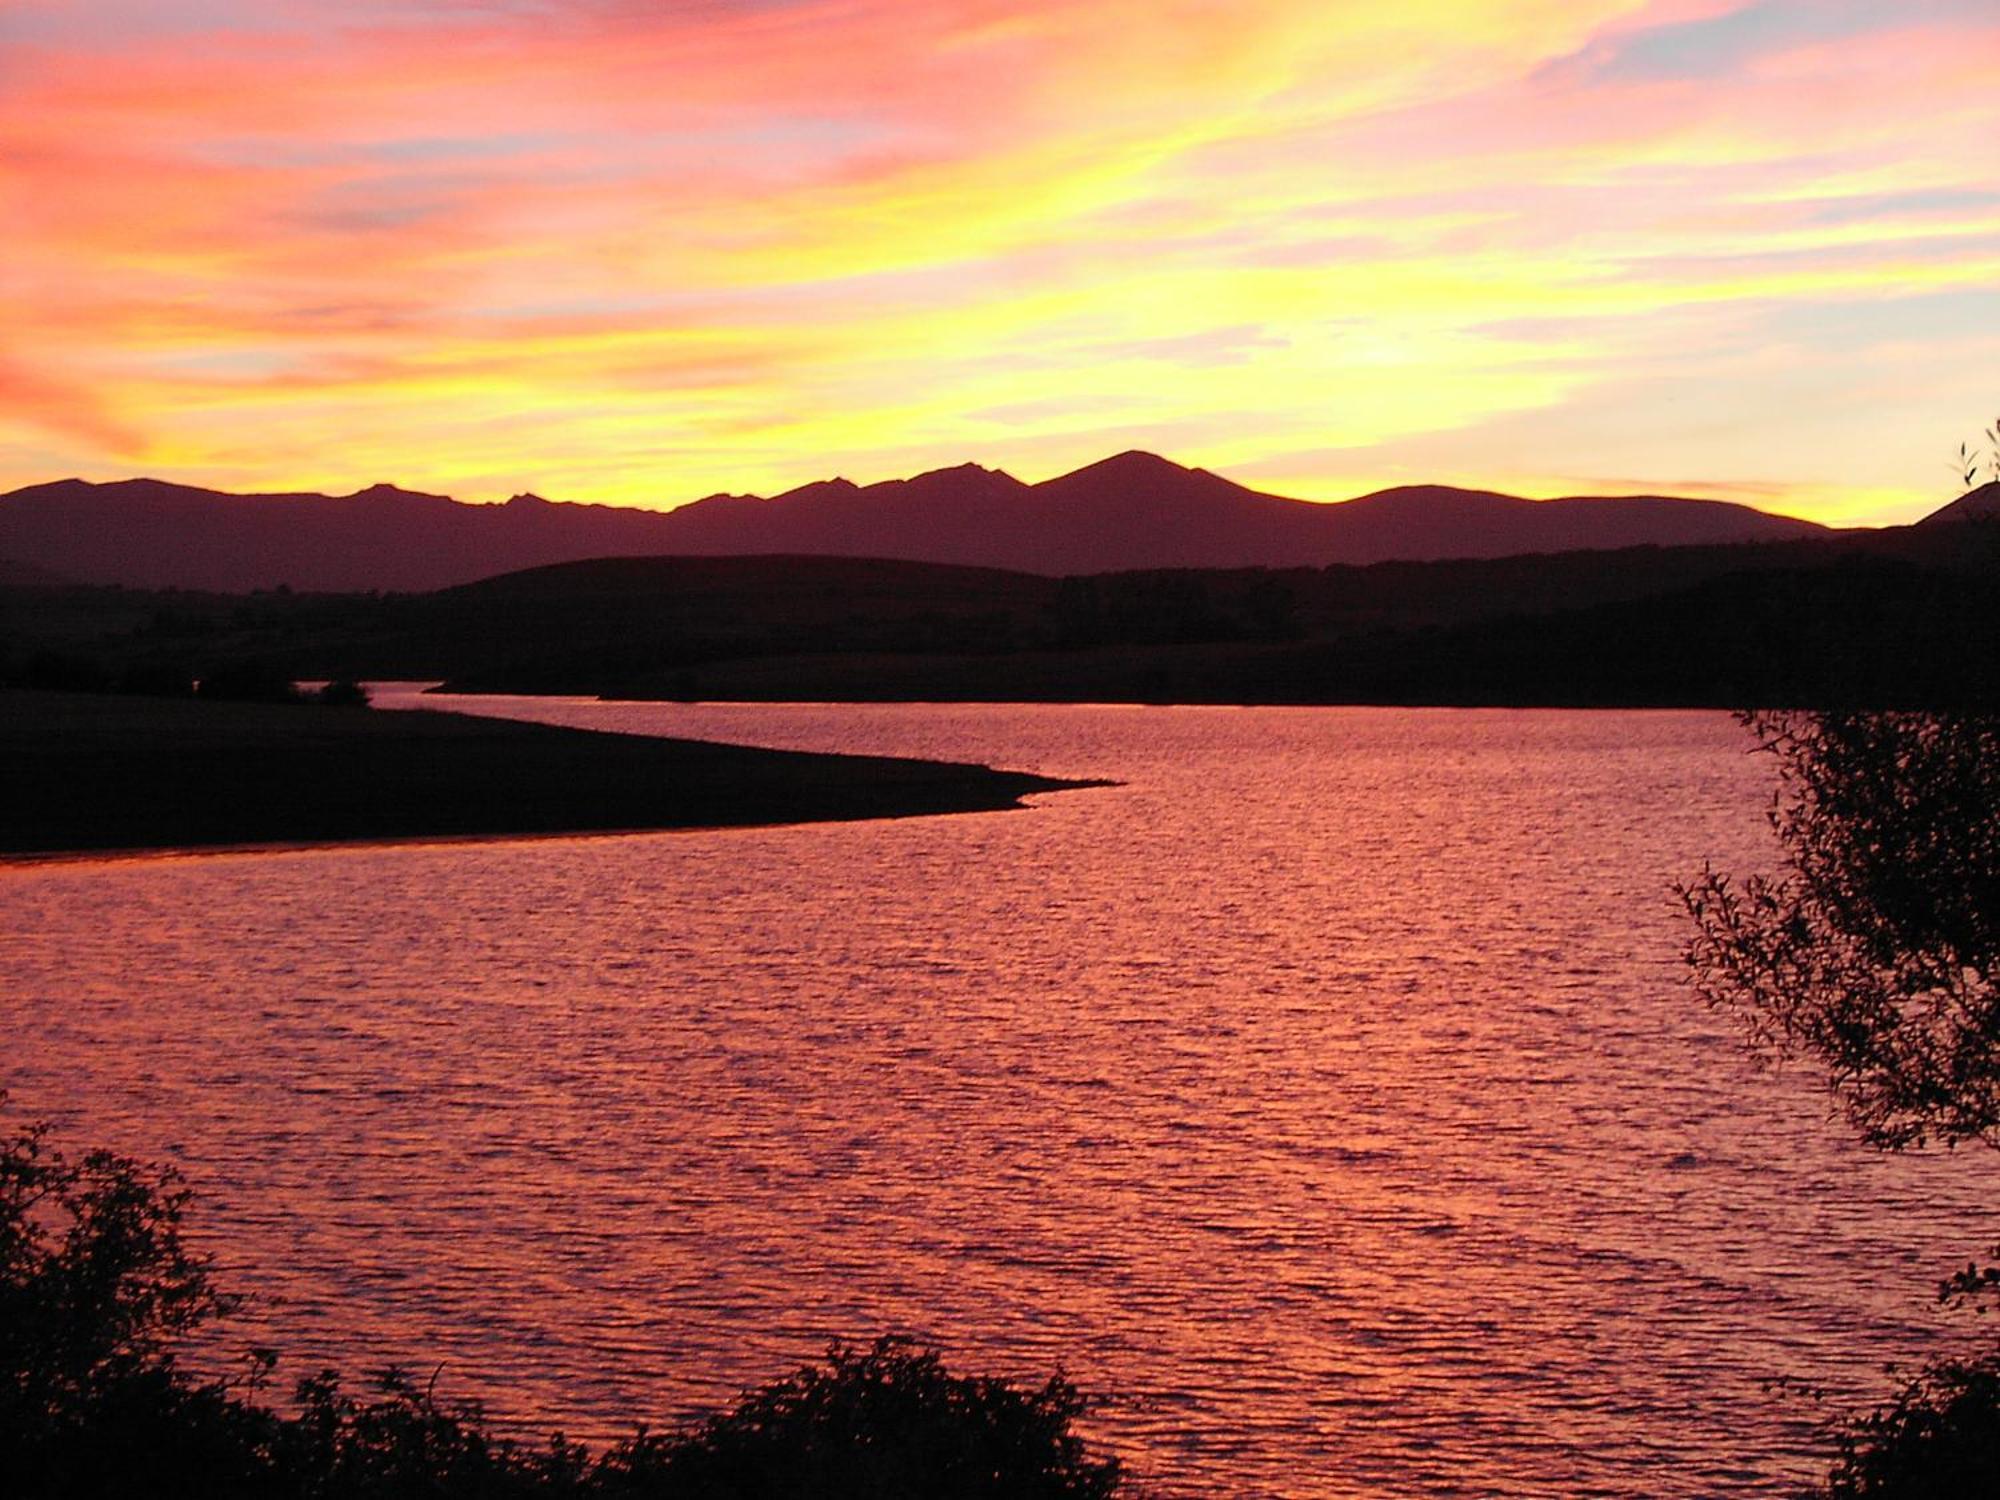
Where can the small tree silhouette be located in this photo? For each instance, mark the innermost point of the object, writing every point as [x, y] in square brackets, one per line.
[1876, 953]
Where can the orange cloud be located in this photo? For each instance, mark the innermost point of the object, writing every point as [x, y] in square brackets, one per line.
[652, 250]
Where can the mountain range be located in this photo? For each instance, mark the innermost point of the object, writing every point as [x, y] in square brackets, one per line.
[1133, 511]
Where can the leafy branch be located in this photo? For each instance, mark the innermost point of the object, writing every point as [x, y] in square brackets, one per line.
[1970, 460]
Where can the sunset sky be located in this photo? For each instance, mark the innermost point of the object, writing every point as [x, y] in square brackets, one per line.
[643, 250]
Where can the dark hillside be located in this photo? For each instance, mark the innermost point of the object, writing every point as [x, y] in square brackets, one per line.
[1696, 623]
[1982, 504]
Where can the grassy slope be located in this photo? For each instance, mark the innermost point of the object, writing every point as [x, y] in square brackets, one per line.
[90, 772]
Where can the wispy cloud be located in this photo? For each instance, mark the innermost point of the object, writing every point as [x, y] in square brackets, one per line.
[640, 252]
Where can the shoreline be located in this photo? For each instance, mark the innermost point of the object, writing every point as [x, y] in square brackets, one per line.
[1204, 705]
[110, 778]
[164, 853]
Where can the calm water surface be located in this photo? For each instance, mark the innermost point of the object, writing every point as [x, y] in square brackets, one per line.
[1327, 1093]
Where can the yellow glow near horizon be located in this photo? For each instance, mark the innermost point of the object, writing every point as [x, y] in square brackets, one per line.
[1747, 248]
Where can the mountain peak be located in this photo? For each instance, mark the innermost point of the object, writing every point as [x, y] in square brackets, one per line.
[966, 479]
[1134, 463]
[382, 491]
[840, 484]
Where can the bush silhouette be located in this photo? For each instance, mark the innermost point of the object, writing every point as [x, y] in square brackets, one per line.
[1939, 1439]
[884, 1423]
[97, 1286]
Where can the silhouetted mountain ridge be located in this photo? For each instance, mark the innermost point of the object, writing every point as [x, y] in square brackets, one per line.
[1132, 511]
[1981, 504]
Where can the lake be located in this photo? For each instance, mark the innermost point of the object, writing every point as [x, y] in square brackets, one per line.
[1327, 1094]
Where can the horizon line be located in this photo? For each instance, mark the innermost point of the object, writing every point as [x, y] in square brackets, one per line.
[1743, 494]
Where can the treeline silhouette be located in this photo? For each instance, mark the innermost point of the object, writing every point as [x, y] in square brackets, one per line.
[228, 681]
[99, 1288]
[1872, 953]
[1904, 617]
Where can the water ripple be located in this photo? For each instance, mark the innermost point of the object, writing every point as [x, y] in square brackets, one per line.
[1326, 1093]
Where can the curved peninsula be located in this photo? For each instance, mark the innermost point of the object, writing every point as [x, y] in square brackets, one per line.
[89, 772]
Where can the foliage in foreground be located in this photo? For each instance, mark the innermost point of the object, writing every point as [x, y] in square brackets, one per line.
[1938, 1439]
[97, 1284]
[1876, 954]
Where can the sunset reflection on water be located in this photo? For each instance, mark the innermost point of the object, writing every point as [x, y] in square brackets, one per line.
[1326, 1093]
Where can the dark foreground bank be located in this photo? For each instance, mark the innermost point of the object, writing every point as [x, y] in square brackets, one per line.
[88, 772]
[98, 1287]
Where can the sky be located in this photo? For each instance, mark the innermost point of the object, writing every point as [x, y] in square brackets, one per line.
[640, 251]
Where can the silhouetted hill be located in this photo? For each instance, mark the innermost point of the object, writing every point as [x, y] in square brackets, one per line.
[1134, 511]
[1430, 522]
[1642, 624]
[939, 517]
[1981, 504]
[625, 621]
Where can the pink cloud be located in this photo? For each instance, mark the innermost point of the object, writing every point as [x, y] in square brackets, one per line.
[864, 209]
